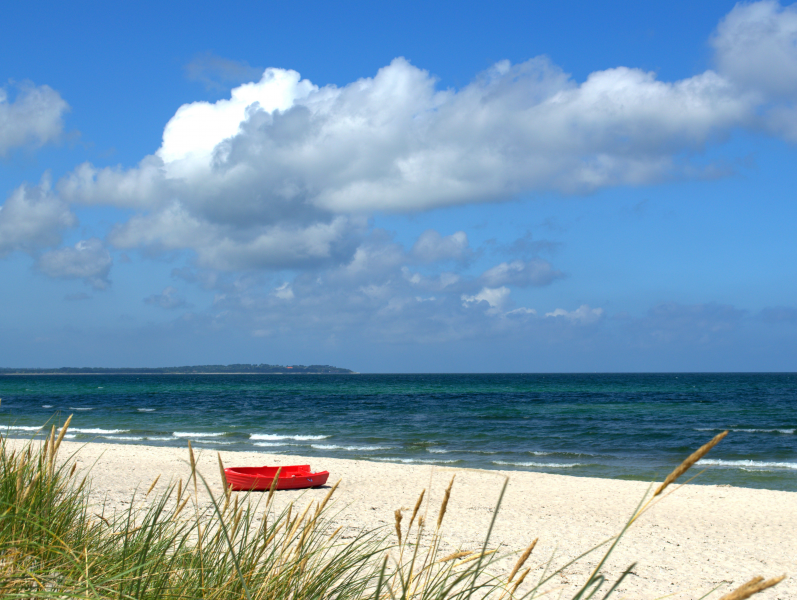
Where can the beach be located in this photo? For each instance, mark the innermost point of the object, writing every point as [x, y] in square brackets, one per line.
[692, 541]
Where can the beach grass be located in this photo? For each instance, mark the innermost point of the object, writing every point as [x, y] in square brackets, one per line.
[56, 543]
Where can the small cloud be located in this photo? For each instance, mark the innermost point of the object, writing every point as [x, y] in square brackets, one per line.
[168, 299]
[217, 73]
[521, 273]
[494, 297]
[284, 292]
[87, 260]
[433, 247]
[583, 315]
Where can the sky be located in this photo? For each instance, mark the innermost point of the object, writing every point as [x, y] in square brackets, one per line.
[400, 187]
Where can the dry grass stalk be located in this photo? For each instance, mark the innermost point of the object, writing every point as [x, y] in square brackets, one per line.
[62, 433]
[193, 466]
[415, 510]
[398, 524]
[273, 487]
[520, 580]
[444, 505]
[455, 556]
[151, 487]
[224, 483]
[475, 557]
[755, 585]
[179, 491]
[326, 498]
[49, 450]
[522, 560]
[690, 460]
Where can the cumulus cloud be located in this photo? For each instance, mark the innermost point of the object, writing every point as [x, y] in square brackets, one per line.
[583, 315]
[495, 298]
[216, 72]
[33, 218]
[87, 260]
[284, 163]
[34, 118]
[432, 247]
[521, 273]
[169, 298]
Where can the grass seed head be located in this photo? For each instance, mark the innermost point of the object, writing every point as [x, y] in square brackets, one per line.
[398, 524]
[444, 505]
[415, 510]
[522, 560]
[755, 585]
[690, 460]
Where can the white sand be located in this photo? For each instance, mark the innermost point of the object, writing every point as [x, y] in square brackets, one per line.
[693, 541]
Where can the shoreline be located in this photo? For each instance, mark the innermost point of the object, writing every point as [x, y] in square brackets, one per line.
[686, 545]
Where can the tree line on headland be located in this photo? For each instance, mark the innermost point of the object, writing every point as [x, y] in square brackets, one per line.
[197, 369]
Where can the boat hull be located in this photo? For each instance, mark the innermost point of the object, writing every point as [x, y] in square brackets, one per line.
[293, 477]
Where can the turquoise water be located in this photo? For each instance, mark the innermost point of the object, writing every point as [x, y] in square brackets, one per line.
[626, 426]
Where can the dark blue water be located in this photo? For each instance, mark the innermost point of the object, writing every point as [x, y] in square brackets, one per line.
[636, 426]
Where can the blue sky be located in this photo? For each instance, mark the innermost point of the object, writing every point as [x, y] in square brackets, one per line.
[410, 187]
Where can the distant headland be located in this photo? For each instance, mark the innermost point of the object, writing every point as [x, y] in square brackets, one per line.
[238, 369]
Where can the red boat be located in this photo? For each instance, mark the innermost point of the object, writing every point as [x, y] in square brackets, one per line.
[293, 477]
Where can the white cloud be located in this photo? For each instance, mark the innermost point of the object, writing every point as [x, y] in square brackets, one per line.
[496, 298]
[583, 315]
[169, 298]
[521, 273]
[33, 118]
[284, 292]
[432, 247]
[33, 218]
[756, 47]
[87, 260]
[284, 162]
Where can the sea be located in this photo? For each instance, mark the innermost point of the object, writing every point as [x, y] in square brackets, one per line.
[620, 426]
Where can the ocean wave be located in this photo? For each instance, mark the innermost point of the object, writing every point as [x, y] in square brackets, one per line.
[97, 430]
[274, 437]
[145, 409]
[215, 442]
[24, 427]
[750, 464]
[191, 434]
[125, 438]
[80, 408]
[47, 405]
[273, 444]
[161, 438]
[437, 451]
[351, 448]
[538, 465]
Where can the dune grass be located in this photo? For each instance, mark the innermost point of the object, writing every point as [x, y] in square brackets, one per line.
[55, 544]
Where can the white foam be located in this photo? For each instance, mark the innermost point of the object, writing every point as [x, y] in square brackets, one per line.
[275, 437]
[350, 448]
[24, 428]
[47, 405]
[437, 451]
[125, 438]
[189, 434]
[80, 408]
[145, 409]
[750, 464]
[97, 430]
[538, 465]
